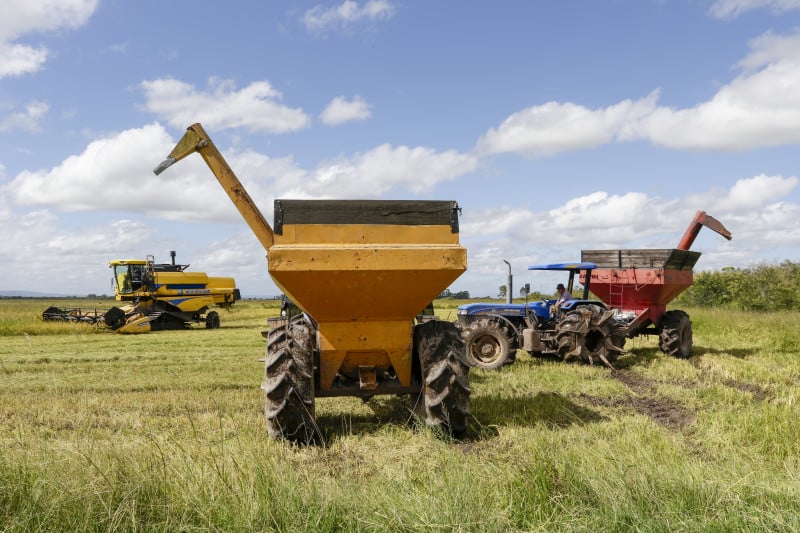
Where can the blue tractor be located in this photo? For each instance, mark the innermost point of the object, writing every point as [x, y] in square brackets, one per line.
[578, 330]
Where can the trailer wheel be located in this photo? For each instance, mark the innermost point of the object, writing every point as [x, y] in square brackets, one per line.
[488, 344]
[583, 335]
[675, 338]
[212, 320]
[444, 400]
[289, 382]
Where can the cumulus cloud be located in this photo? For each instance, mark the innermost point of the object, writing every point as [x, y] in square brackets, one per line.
[111, 174]
[734, 8]
[344, 16]
[341, 110]
[760, 107]
[383, 169]
[554, 127]
[21, 17]
[255, 107]
[27, 120]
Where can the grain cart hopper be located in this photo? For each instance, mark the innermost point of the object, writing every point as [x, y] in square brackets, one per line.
[640, 283]
[341, 261]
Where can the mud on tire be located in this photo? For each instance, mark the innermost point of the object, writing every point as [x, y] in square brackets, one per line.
[444, 399]
[675, 338]
[585, 335]
[289, 382]
[488, 343]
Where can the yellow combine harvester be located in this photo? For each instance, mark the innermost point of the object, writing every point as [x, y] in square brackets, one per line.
[158, 297]
[361, 271]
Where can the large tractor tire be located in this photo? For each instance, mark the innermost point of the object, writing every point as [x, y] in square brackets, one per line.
[675, 338]
[488, 343]
[585, 335]
[289, 382]
[444, 401]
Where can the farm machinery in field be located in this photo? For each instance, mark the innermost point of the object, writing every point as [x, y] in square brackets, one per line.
[634, 287]
[340, 261]
[157, 297]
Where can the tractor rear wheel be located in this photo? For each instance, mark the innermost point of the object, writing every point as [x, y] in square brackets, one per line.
[445, 391]
[675, 338]
[584, 335]
[488, 344]
[289, 382]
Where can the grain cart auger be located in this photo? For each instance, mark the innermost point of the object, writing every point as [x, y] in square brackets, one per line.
[340, 261]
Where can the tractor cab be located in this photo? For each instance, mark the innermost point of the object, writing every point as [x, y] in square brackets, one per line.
[542, 309]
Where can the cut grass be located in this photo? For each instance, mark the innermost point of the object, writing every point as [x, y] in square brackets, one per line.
[165, 431]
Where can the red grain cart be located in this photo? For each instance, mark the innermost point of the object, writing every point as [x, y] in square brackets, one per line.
[639, 284]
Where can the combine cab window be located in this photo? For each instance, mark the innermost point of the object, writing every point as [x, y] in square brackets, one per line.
[122, 278]
[129, 278]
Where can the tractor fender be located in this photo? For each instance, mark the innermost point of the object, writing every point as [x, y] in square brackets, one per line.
[504, 320]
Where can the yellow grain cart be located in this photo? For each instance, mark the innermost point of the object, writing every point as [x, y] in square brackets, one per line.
[361, 271]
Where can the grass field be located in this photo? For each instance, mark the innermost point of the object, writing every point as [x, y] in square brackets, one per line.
[165, 432]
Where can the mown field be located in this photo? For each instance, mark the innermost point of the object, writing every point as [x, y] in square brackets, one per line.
[165, 432]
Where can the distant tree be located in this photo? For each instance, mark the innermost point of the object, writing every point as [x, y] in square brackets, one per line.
[502, 290]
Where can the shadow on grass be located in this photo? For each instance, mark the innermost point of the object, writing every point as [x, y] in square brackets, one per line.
[548, 408]
[739, 353]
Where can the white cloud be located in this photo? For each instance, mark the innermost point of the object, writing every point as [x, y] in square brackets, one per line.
[760, 107]
[27, 120]
[115, 173]
[21, 17]
[348, 13]
[384, 168]
[255, 107]
[341, 110]
[734, 8]
[553, 127]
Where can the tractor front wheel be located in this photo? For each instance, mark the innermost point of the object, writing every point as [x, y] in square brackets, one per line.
[675, 338]
[289, 382]
[488, 344]
[444, 401]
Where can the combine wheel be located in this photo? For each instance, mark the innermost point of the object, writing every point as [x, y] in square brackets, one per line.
[488, 345]
[212, 320]
[289, 382]
[585, 335]
[444, 400]
[675, 338]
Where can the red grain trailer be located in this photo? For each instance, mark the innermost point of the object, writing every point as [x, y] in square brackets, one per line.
[639, 283]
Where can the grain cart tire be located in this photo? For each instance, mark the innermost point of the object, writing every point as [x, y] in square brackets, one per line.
[289, 382]
[583, 336]
[444, 400]
[675, 338]
[212, 320]
[488, 344]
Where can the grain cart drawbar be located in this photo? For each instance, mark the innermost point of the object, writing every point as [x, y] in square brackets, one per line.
[340, 261]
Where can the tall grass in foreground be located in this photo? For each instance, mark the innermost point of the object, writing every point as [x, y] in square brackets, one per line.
[164, 432]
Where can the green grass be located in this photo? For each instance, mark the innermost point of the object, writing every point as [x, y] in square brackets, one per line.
[165, 432]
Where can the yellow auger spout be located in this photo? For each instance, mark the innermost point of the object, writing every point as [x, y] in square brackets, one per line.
[197, 140]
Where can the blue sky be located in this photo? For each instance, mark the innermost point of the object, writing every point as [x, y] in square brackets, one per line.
[556, 125]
